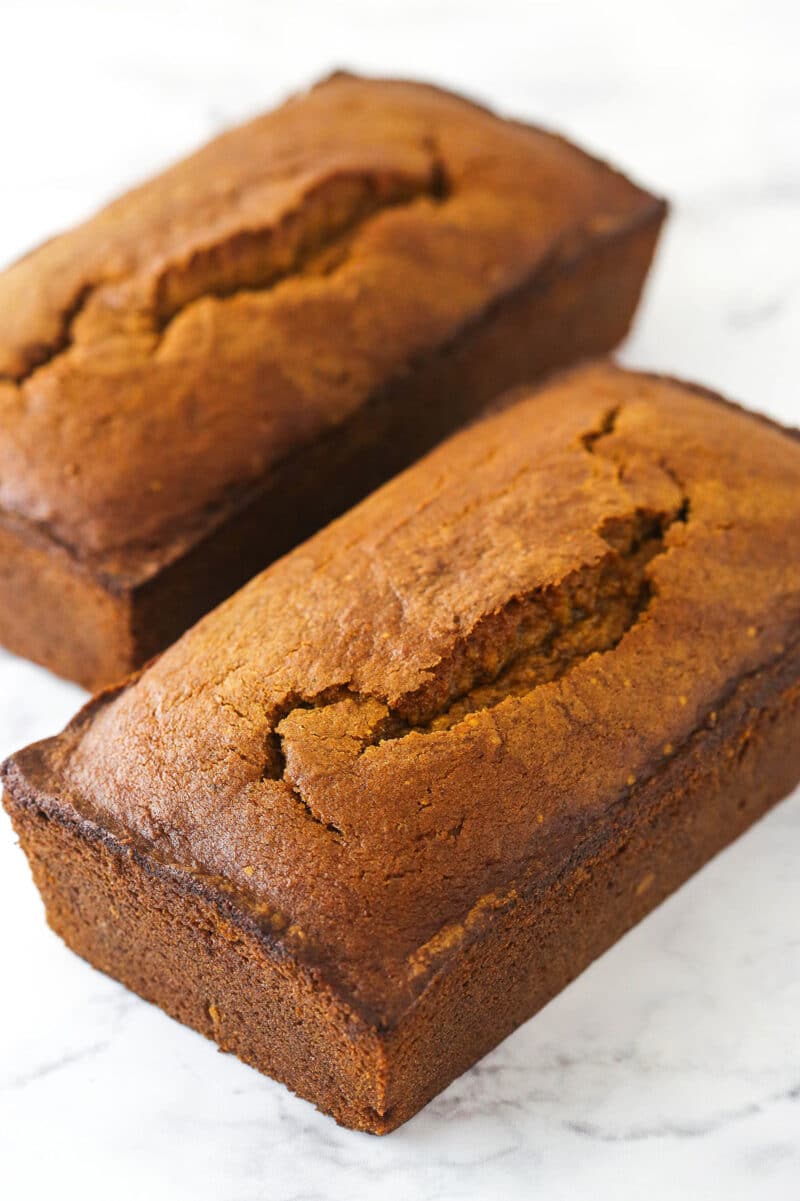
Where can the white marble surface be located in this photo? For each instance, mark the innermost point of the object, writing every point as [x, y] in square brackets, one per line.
[672, 1067]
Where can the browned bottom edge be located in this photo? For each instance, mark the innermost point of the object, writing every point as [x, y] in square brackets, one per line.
[174, 947]
[726, 778]
[181, 949]
[60, 616]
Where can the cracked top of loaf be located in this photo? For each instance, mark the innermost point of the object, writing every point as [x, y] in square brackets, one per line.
[432, 705]
[161, 358]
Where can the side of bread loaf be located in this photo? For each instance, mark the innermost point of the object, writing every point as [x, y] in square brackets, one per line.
[391, 796]
[230, 355]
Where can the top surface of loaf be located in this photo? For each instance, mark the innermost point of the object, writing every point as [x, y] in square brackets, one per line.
[156, 359]
[434, 701]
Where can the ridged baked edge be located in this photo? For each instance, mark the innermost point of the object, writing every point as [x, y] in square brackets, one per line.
[26, 776]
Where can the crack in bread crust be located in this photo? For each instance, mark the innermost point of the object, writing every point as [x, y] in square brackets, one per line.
[534, 640]
[313, 238]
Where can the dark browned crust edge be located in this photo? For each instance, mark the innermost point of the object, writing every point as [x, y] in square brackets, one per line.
[680, 820]
[377, 1075]
[27, 774]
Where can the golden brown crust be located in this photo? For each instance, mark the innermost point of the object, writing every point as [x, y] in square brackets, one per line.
[165, 356]
[438, 700]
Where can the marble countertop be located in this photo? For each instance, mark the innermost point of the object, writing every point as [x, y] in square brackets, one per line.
[672, 1067]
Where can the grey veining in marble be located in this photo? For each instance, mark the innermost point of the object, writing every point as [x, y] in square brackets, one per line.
[672, 1067]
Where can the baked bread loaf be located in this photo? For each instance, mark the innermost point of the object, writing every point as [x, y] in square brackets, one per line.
[383, 803]
[229, 356]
